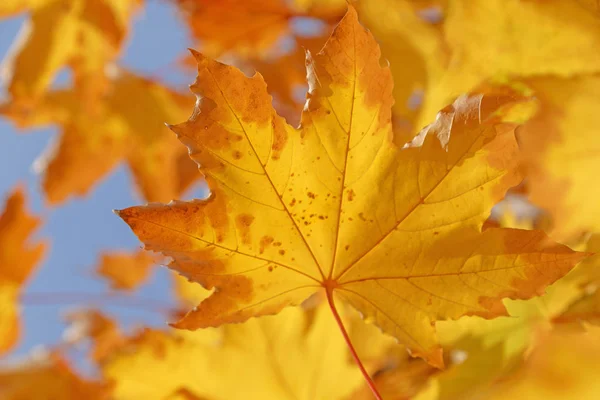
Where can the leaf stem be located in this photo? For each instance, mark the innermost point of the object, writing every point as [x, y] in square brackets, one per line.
[340, 324]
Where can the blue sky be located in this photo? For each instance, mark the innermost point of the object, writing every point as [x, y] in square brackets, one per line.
[79, 230]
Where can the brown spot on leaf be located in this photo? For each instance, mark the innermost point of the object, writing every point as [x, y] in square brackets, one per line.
[243, 222]
[237, 154]
[350, 195]
[311, 195]
[203, 267]
[282, 252]
[265, 241]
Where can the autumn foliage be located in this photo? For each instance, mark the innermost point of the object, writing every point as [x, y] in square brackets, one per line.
[401, 200]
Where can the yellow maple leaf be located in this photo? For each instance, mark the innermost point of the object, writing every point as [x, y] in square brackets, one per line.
[83, 34]
[47, 376]
[289, 356]
[284, 87]
[338, 206]
[127, 124]
[18, 259]
[480, 40]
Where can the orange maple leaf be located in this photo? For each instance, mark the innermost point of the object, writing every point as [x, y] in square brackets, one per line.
[18, 259]
[249, 27]
[127, 124]
[126, 270]
[337, 206]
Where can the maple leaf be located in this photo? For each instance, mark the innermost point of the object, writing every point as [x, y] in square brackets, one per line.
[559, 146]
[18, 259]
[83, 34]
[127, 124]
[293, 356]
[285, 87]
[281, 65]
[48, 376]
[126, 270]
[475, 41]
[187, 292]
[338, 206]
[249, 27]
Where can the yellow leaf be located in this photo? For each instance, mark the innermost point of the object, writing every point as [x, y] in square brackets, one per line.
[416, 52]
[18, 259]
[125, 125]
[83, 34]
[290, 356]
[481, 40]
[284, 87]
[337, 206]
[558, 149]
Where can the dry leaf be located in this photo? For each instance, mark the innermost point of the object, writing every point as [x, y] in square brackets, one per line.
[338, 206]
